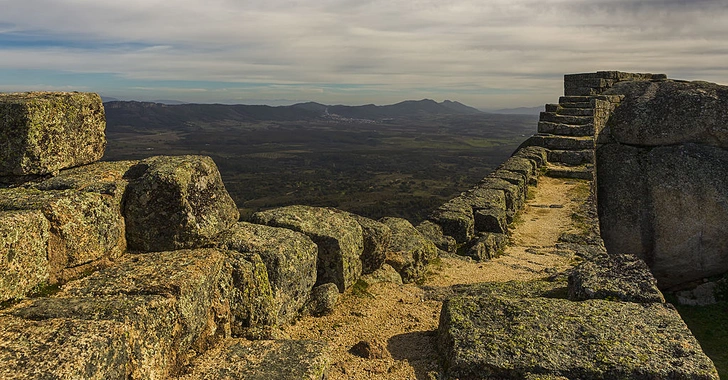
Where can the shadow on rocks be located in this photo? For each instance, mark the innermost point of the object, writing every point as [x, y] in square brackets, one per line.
[419, 349]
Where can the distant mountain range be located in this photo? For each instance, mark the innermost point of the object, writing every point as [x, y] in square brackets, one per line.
[150, 114]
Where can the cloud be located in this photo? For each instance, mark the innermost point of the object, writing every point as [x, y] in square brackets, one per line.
[397, 46]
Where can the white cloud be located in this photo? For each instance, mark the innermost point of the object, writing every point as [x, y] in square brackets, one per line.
[399, 45]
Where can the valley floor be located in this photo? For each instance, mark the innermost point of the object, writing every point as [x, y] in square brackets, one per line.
[400, 321]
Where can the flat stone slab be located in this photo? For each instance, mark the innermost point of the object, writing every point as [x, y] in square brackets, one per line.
[498, 336]
[23, 252]
[62, 349]
[614, 277]
[44, 132]
[262, 360]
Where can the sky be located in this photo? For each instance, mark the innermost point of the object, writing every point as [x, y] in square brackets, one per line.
[489, 54]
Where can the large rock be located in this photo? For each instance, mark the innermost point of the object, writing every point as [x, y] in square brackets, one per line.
[63, 349]
[150, 323]
[376, 240]
[409, 252]
[290, 259]
[506, 336]
[85, 228]
[670, 112]
[176, 202]
[456, 219]
[337, 235]
[614, 277]
[514, 196]
[23, 253]
[668, 206]
[44, 132]
[434, 232]
[263, 360]
[486, 246]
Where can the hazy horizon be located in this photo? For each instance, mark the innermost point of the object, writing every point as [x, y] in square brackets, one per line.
[488, 55]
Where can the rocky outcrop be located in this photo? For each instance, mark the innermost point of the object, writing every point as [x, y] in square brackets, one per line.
[338, 237]
[44, 132]
[661, 177]
[175, 203]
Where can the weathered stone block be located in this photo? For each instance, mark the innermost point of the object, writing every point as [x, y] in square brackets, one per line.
[176, 202]
[338, 237]
[455, 217]
[434, 232]
[376, 240]
[84, 227]
[487, 246]
[513, 195]
[498, 336]
[198, 280]
[43, 132]
[537, 154]
[104, 177]
[323, 300]
[290, 260]
[614, 277]
[409, 251]
[23, 252]
[263, 360]
[491, 219]
[63, 349]
[152, 323]
[249, 291]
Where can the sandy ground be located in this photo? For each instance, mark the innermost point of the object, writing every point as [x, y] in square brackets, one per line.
[401, 320]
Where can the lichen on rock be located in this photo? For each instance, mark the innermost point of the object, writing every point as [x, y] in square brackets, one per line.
[290, 260]
[338, 237]
[23, 253]
[176, 203]
[44, 132]
[409, 252]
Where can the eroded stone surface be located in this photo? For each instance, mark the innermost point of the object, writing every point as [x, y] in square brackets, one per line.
[63, 349]
[482, 336]
[176, 202]
[614, 277]
[263, 360]
[23, 253]
[409, 251]
[44, 132]
[337, 235]
[290, 260]
[84, 227]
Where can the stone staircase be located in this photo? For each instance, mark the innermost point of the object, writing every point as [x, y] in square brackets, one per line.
[567, 130]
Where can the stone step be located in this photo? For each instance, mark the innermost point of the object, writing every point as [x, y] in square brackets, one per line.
[566, 119]
[575, 99]
[557, 142]
[571, 157]
[575, 111]
[577, 172]
[575, 105]
[565, 129]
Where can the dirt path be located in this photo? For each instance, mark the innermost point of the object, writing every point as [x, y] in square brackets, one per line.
[401, 321]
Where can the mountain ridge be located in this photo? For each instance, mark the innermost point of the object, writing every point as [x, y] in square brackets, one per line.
[152, 113]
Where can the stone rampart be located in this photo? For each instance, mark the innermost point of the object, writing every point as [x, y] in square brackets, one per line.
[142, 265]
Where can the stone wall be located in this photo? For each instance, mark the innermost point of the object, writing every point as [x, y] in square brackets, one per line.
[154, 267]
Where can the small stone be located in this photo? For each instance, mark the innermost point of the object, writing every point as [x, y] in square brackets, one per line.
[369, 350]
[323, 300]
